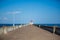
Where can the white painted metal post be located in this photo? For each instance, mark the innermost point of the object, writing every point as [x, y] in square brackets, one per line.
[54, 30]
[5, 30]
[39, 26]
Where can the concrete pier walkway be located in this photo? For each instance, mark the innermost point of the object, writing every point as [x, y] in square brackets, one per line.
[30, 32]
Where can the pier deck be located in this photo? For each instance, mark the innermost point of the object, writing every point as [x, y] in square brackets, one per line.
[30, 32]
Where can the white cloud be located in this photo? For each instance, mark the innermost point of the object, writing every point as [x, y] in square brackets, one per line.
[17, 12]
[5, 18]
[14, 12]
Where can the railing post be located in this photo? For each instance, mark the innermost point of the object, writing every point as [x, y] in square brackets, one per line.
[39, 26]
[54, 30]
[13, 27]
[5, 30]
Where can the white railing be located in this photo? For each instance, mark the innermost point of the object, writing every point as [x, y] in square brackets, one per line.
[6, 29]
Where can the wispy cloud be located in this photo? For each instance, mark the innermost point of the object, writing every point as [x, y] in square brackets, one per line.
[4, 18]
[15, 12]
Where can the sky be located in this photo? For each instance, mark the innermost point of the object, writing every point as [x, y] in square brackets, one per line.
[22, 11]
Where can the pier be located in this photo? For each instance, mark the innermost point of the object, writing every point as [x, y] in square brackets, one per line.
[29, 32]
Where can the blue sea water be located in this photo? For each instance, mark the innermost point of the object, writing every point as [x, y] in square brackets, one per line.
[1, 25]
[58, 25]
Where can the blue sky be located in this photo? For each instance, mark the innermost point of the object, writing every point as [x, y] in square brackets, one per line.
[40, 11]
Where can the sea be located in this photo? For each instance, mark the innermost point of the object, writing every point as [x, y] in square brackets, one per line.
[9, 25]
[51, 25]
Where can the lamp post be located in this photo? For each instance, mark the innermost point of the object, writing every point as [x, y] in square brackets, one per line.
[14, 13]
[13, 19]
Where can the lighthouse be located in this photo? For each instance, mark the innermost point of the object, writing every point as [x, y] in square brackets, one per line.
[31, 22]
